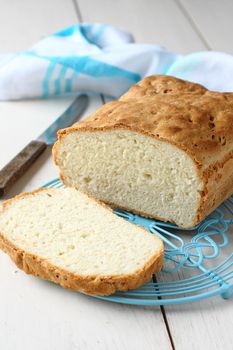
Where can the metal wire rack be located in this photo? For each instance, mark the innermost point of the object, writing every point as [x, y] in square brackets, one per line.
[198, 263]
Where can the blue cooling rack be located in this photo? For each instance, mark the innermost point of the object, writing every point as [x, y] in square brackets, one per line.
[198, 263]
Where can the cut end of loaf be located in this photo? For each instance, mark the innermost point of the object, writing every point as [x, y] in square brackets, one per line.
[133, 171]
[64, 236]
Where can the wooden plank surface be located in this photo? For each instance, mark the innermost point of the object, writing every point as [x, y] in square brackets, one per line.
[22, 23]
[36, 314]
[213, 19]
[207, 323]
[150, 21]
[39, 315]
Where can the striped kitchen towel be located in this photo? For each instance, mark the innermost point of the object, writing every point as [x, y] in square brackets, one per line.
[97, 58]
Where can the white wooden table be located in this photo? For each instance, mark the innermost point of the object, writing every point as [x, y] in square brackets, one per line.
[39, 315]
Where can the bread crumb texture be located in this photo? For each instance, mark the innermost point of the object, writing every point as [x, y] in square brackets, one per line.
[163, 150]
[65, 236]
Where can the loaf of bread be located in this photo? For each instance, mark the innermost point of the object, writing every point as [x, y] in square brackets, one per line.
[163, 150]
[69, 238]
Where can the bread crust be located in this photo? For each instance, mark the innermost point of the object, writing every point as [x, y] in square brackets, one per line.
[184, 114]
[87, 284]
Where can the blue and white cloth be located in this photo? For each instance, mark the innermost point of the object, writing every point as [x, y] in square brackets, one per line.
[97, 58]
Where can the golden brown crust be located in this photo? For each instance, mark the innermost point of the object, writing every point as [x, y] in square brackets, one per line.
[185, 114]
[218, 187]
[193, 118]
[89, 284]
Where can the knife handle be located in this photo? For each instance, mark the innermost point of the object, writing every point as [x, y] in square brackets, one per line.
[19, 164]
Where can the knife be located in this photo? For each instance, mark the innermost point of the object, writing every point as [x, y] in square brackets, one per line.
[23, 160]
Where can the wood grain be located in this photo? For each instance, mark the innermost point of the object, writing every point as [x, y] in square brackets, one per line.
[56, 319]
[151, 21]
[22, 23]
[213, 19]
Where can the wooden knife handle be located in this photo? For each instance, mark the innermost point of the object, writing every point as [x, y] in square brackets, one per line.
[19, 164]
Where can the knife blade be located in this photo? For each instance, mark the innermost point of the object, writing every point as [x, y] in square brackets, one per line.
[71, 114]
[23, 160]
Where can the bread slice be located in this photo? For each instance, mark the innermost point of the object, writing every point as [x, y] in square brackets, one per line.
[164, 150]
[66, 237]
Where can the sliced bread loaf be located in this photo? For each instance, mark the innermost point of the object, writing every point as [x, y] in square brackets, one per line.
[163, 150]
[66, 237]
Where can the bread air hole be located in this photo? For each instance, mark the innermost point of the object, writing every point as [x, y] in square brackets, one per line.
[87, 179]
[147, 176]
[222, 140]
[167, 90]
[84, 235]
[149, 169]
[170, 197]
[211, 125]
